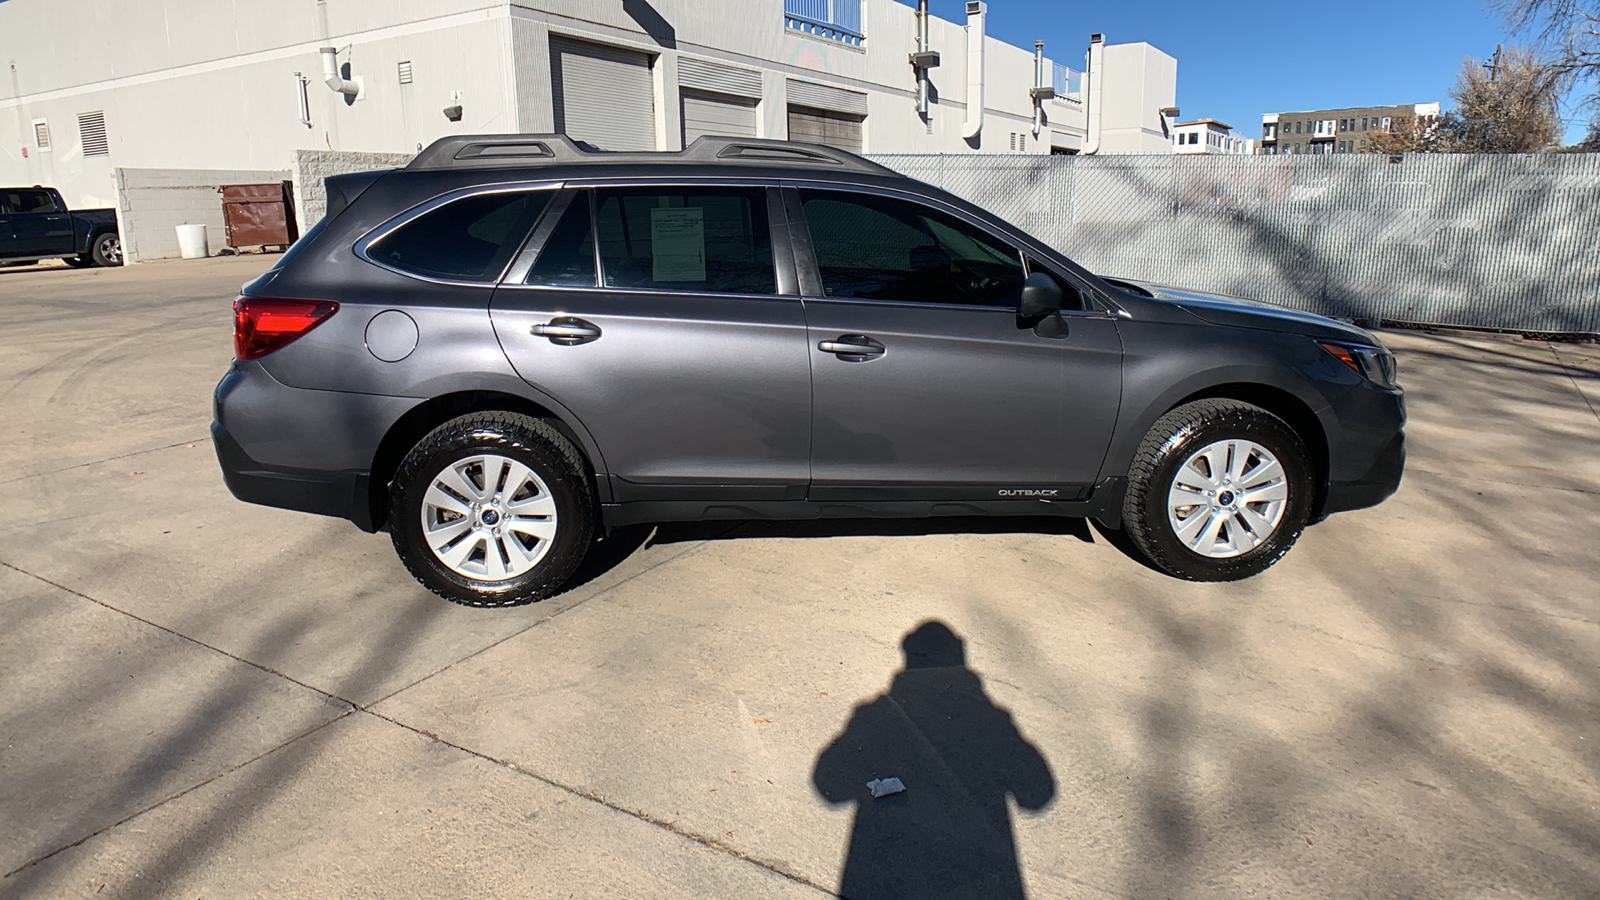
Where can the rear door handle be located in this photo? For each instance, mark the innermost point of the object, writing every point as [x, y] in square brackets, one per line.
[853, 347]
[568, 330]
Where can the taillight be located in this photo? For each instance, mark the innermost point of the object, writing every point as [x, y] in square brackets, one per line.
[262, 325]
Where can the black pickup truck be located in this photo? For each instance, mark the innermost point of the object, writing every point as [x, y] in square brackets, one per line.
[35, 224]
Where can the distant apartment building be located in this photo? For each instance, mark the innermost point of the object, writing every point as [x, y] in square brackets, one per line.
[1335, 130]
[1204, 137]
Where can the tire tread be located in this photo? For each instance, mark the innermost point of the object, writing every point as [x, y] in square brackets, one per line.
[509, 429]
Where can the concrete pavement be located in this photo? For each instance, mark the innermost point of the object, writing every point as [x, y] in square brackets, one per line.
[205, 698]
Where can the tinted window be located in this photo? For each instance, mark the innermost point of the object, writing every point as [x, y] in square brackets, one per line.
[880, 248]
[28, 202]
[567, 258]
[711, 240]
[470, 239]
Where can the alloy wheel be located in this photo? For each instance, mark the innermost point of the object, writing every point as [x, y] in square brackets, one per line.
[1227, 498]
[488, 517]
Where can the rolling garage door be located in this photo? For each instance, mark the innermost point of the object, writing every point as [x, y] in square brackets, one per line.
[820, 126]
[717, 114]
[825, 114]
[603, 95]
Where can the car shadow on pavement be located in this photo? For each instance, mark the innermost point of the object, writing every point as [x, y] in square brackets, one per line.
[958, 757]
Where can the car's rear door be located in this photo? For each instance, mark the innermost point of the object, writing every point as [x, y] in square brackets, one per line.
[926, 384]
[667, 321]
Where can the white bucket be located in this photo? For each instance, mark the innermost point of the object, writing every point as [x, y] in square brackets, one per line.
[192, 242]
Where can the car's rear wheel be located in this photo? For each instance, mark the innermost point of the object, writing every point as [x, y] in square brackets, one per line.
[106, 249]
[1219, 490]
[492, 509]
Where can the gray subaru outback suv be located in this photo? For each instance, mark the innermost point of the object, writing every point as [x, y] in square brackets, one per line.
[516, 341]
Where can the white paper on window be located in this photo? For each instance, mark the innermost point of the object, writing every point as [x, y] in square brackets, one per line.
[678, 242]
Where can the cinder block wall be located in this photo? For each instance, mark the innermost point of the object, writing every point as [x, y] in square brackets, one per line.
[151, 203]
[312, 166]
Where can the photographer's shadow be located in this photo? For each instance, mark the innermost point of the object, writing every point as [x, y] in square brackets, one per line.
[949, 833]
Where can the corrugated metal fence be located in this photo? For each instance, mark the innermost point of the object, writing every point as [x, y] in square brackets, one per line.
[1510, 242]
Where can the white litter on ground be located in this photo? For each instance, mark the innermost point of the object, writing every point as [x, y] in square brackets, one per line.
[883, 787]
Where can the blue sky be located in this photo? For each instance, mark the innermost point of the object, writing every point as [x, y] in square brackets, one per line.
[1238, 59]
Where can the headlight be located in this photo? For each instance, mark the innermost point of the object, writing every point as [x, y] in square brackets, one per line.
[1375, 364]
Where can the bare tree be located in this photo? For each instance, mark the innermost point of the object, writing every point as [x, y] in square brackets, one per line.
[1591, 142]
[1407, 134]
[1571, 28]
[1511, 106]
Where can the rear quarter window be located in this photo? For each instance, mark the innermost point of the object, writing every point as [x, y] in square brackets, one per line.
[470, 239]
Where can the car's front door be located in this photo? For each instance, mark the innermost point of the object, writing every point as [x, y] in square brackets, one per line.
[926, 384]
[661, 317]
[40, 224]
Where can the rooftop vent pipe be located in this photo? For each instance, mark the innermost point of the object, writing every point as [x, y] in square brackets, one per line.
[1097, 47]
[977, 16]
[923, 60]
[332, 77]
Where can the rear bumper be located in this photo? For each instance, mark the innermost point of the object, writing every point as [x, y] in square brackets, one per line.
[343, 495]
[298, 449]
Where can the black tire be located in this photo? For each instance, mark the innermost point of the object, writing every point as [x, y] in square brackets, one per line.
[522, 438]
[1171, 441]
[105, 249]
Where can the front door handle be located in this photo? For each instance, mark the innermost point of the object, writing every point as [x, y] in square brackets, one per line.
[853, 347]
[568, 330]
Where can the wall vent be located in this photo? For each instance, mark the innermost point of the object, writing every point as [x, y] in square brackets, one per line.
[405, 71]
[41, 134]
[92, 133]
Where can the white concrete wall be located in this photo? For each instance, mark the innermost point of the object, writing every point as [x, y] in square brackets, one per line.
[151, 203]
[1139, 81]
[210, 84]
[750, 33]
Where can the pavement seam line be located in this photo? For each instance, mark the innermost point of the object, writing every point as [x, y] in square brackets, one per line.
[550, 618]
[178, 634]
[1572, 378]
[670, 827]
[96, 462]
[188, 790]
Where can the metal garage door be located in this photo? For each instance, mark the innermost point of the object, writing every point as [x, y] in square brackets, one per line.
[717, 114]
[819, 126]
[603, 95]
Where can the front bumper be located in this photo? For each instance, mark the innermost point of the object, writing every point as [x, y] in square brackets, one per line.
[1375, 486]
[1367, 449]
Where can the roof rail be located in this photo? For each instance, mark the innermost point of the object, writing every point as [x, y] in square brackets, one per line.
[496, 151]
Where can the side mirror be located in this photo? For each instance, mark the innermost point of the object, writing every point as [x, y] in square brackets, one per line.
[1041, 296]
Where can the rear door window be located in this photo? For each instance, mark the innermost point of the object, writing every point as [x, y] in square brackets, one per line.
[567, 257]
[470, 239]
[685, 239]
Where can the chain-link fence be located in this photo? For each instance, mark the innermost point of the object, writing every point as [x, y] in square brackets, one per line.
[1509, 242]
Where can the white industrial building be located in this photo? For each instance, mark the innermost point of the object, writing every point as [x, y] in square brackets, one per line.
[1209, 137]
[95, 88]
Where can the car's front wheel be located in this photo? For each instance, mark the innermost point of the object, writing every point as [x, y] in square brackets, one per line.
[1219, 490]
[492, 509]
